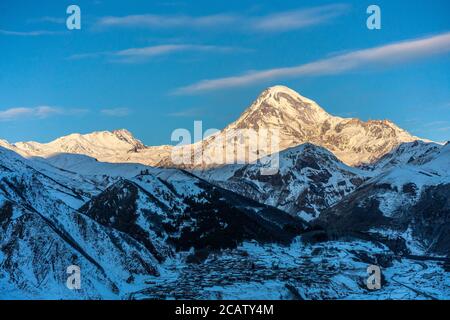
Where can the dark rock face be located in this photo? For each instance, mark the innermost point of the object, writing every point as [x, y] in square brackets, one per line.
[6, 212]
[116, 207]
[354, 213]
[224, 224]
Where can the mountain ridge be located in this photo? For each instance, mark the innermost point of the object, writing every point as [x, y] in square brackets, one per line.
[294, 118]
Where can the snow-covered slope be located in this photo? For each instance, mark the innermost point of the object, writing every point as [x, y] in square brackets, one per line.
[121, 234]
[416, 152]
[409, 201]
[41, 235]
[178, 210]
[140, 231]
[22, 183]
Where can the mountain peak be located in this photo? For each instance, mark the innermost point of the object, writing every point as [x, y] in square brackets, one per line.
[99, 143]
[277, 90]
[122, 132]
[297, 120]
[127, 136]
[279, 106]
[278, 109]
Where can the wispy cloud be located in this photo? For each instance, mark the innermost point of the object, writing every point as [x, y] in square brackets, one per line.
[40, 112]
[139, 54]
[395, 53]
[297, 19]
[116, 112]
[439, 125]
[434, 124]
[282, 21]
[49, 19]
[133, 55]
[91, 55]
[27, 33]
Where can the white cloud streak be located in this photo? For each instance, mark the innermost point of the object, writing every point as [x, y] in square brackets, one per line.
[19, 113]
[391, 54]
[159, 21]
[298, 19]
[27, 33]
[282, 21]
[48, 19]
[194, 112]
[134, 55]
[40, 112]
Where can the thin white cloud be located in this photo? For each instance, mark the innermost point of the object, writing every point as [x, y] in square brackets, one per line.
[27, 33]
[40, 112]
[139, 54]
[281, 21]
[91, 55]
[19, 113]
[193, 112]
[395, 53]
[443, 129]
[116, 112]
[49, 19]
[434, 124]
[133, 55]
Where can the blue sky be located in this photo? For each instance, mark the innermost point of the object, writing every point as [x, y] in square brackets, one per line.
[154, 66]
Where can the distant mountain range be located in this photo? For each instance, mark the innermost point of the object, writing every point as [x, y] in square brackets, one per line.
[347, 194]
[298, 119]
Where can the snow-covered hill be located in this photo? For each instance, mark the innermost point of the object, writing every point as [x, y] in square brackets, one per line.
[120, 233]
[417, 152]
[105, 143]
[409, 202]
[309, 179]
[41, 235]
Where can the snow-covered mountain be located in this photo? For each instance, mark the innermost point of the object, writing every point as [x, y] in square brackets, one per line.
[346, 194]
[119, 233]
[181, 210]
[309, 179]
[103, 144]
[41, 235]
[301, 120]
[417, 152]
[294, 118]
